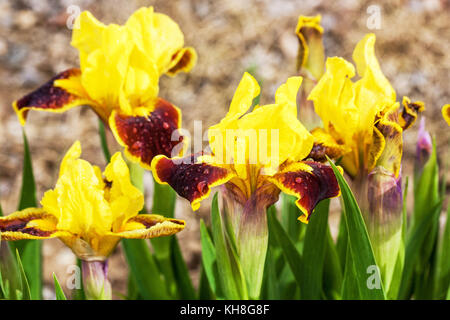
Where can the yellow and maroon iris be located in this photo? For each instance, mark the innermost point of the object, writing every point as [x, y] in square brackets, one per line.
[120, 67]
[362, 121]
[254, 176]
[88, 210]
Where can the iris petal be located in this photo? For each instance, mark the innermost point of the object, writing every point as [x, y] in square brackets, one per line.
[310, 182]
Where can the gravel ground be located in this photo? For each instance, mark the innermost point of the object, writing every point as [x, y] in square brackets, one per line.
[230, 37]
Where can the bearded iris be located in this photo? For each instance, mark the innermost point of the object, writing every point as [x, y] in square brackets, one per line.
[120, 67]
[254, 155]
[89, 211]
[363, 124]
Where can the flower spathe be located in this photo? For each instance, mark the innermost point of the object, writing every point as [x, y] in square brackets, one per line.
[89, 211]
[118, 78]
[237, 161]
[361, 120]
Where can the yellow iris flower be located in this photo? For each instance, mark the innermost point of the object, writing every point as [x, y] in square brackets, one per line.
[120, 67]
[361, 120]
[89, 211]
[255, 154]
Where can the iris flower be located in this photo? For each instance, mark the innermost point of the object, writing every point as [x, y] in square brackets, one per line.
[89, 211]
[362, 121]
[118, 78]
[253, 156]
[274, 161]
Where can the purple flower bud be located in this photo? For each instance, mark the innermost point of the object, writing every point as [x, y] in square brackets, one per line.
[424, 147]
[95, 280]
[381, 203]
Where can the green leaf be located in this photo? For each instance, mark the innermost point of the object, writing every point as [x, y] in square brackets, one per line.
[209, 258]
[204, 290]
[142, 264]
[342, 238]
[350, 288]
[289, 250]
[26, 294]
[289, 218]
[182, 278]
[231, 277]
[314, 252]
[271, 288]
[332, 270]
[416, 237]
[103, 141]
[164, 204]
[443, 279]
[58, 290]
[30, 250]
[358, 241]
[144, 269]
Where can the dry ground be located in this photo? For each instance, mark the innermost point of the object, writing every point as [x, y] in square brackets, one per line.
[230, 37]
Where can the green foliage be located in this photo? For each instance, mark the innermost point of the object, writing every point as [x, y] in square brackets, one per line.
[58, 290]
[360, 248]
[30, 250]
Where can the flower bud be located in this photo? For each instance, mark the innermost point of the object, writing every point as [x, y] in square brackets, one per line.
[95, 280]
[382, 210]
[424, 148]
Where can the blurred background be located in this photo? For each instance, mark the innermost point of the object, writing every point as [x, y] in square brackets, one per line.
[232, 36]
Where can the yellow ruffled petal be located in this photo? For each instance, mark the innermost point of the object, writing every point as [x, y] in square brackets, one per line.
[148, 29]
[78, 199]
[104, 72]
[125, 199]
[373, 90]
[247, 90]
[87, 37]
[334, 99]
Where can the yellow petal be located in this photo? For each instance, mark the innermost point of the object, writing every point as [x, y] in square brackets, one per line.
[125, 199]
[146, 226]
[311, 55]
[31, 223]
[373, 90]
[158, 36]
[86, 37]
[446, 113]
[334, 97]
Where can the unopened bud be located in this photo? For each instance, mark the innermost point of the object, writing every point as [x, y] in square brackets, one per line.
[95, 280]
[383, 216]
[424, 147]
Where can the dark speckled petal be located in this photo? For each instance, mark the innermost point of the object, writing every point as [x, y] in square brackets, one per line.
[310, 181]
[147, 136]
[32, 223]
[190, 178]
[50, 98]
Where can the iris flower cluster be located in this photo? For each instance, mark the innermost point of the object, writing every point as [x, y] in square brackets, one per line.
[255, 153]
